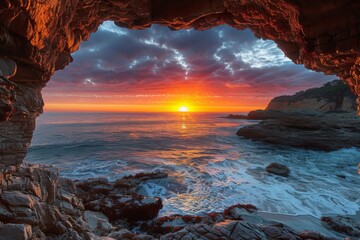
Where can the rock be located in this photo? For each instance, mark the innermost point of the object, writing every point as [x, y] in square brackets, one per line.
[273, 114]
[15, 232]
[230, 230]
[342, 224]
[168, 224]
[58, 213]
[311, 235]
[5, 214]
[299, 120]
[33, 198]
[97, 222]
[133, 208]
[7, 67]
[236, 116]
[143, 237]
[280, 232]
[16, 198]
[307, 132]
[334, 96]
[235, 212]
[278, 169]
[122, 234]
[321, 35]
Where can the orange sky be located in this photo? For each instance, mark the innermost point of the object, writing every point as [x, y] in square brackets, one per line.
[150, 103]
[158, 70]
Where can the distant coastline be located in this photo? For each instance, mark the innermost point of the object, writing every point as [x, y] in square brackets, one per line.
[307, 119]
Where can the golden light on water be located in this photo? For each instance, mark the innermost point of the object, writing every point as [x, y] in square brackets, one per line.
[183, 109]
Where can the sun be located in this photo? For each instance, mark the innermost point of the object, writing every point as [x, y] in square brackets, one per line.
[183, 109]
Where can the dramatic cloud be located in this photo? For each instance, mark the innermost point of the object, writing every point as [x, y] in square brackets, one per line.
[160, 66]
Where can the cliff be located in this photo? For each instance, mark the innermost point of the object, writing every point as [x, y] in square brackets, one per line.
[308, 119]
[333, 96]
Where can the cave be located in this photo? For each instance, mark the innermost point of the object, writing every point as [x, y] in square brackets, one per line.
[40, 37]
[37, 38]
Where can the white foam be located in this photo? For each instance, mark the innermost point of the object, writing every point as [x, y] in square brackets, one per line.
[312, 188]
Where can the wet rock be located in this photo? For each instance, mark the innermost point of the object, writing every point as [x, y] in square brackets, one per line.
[56, 212]
[95, 185]
[97, 222]
[278, 169]
[280, 232]
[15, 232]
[309, 235]
[175, 223]
[98, 188]
[229, 230]
[307, 132]
[342, 224]
[133, 208]
[236, 212]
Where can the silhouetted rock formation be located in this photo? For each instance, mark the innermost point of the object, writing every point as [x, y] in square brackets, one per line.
[237, 116]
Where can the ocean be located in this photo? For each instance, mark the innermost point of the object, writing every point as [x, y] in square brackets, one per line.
[209, 167]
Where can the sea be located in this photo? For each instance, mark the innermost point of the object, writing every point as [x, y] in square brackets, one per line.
[209, 167]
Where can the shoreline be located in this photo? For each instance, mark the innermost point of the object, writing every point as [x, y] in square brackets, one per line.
[38, 203]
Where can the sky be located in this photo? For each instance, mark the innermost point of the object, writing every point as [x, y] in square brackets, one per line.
[159, 70]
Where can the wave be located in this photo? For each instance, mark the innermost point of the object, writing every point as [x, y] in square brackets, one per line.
[210, 167]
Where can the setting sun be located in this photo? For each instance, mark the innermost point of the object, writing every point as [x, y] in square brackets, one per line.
[183, 109]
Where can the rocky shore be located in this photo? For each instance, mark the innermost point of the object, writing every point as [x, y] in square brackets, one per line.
[36, 203]
[321, 118]
[327, 132]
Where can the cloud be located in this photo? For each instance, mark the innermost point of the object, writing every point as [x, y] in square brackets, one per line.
[218, 62]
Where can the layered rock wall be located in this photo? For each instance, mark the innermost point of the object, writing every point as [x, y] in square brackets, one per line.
[40, 36]
[334, 96]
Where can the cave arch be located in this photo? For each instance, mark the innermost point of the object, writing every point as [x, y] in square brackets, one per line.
[41, 35]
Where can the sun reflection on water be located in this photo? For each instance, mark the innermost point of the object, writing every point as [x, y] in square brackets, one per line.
[184, 116]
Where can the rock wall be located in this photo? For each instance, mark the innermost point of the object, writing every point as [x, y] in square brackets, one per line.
[333, 96]
[40, 36]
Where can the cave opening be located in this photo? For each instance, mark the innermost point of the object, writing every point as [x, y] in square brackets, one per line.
[152, 72]
[189, 162]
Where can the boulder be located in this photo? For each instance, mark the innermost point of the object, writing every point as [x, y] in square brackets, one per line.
[278, 169]
[342, 224]
[143, 237]
[122, 234]
[17, 198]
[97, 222]
[15, 232]
[279, 231]
[132, 208]
[236, 212]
